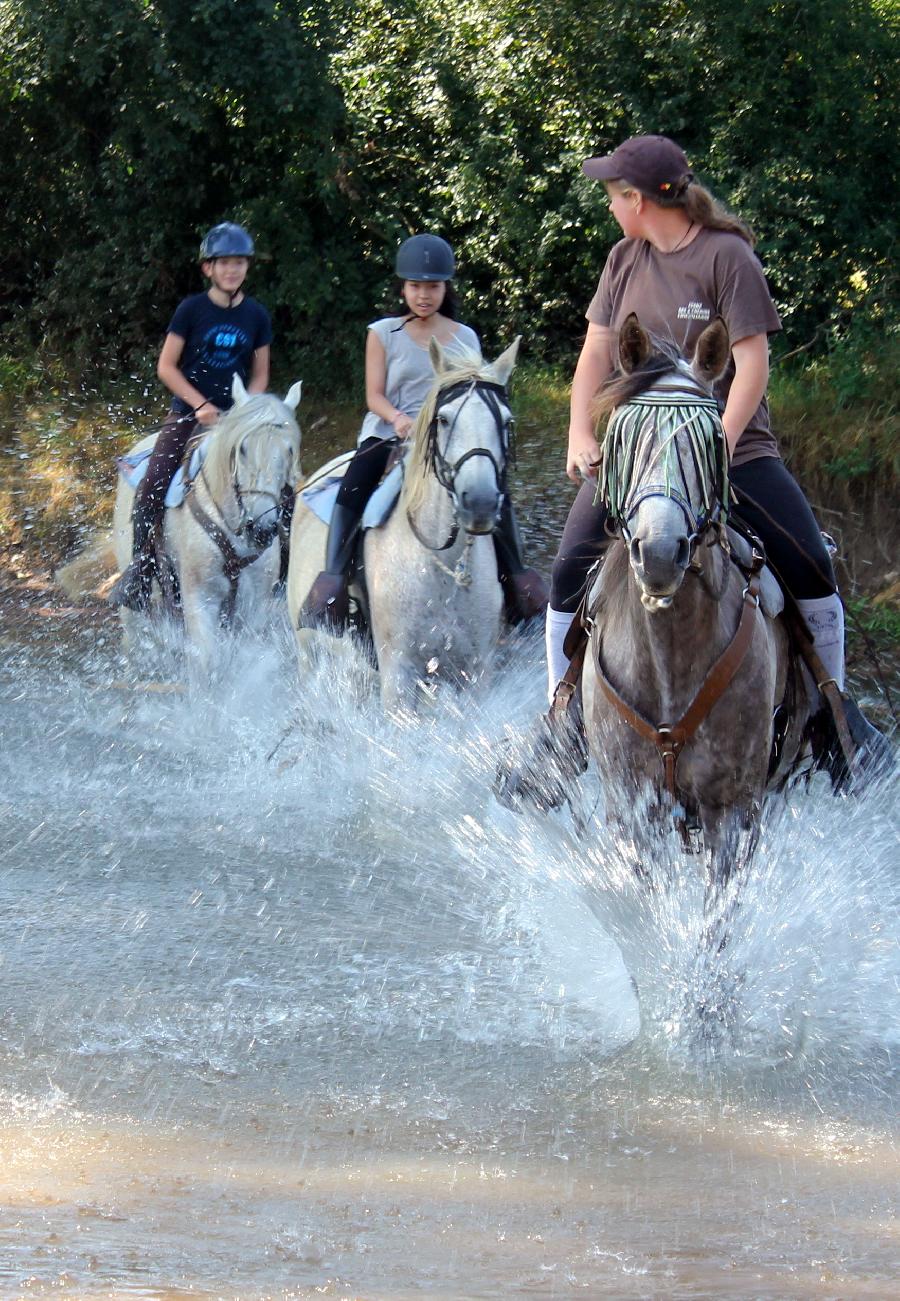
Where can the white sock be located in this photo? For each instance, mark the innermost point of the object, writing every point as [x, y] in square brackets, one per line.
[557, 625]
[824, 618]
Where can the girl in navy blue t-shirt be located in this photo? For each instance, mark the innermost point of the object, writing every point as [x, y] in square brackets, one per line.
[211, 337]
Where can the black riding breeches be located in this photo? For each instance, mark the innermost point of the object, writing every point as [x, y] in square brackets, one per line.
[364, 473]
[583, 541]
[766, 498]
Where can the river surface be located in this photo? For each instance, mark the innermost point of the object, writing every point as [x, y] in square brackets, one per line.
[292, 1008]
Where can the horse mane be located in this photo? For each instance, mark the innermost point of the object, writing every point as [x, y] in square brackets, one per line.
[464, 365]
[260, 412]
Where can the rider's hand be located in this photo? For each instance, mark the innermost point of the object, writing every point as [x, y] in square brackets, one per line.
[583, 451]
[402, 424]
[207, 415]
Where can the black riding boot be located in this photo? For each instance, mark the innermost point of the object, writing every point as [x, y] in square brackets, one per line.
[327, 601]
[134, 585]
[874, 757]
[525, 593]
[541, 769]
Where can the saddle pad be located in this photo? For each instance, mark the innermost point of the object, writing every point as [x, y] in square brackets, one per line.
[771, 597]
[321, 494]
[133, 467]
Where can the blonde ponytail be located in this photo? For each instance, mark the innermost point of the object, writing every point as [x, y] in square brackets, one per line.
[704, 210]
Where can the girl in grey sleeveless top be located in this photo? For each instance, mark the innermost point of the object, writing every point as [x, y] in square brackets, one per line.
[399, 376]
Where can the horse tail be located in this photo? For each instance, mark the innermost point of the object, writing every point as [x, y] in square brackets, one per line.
[90, 570]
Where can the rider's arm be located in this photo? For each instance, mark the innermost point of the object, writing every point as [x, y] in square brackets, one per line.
[259, 371]
[376, 380]
[751, 375]
[593, 367]
[176, 382]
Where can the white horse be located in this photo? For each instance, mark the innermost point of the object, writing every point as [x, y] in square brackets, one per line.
[222, 538]
[432, 589]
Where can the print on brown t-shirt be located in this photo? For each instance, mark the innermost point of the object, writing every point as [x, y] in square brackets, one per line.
[675, 295]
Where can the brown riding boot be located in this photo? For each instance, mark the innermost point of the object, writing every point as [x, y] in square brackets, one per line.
[327, 602]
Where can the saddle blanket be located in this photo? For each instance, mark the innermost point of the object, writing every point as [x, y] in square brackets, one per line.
[133, 467]
[321, 494]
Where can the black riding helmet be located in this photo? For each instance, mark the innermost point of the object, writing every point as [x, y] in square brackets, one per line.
[425, 257]
[226, 240]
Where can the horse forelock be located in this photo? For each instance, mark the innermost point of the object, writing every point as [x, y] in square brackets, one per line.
[465, 367]
[255, 420]
[677, 445]
[622, 387]
[653, 436]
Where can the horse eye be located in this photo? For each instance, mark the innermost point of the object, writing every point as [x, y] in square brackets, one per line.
[443, 422]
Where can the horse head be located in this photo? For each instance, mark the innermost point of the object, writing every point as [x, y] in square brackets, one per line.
[463, 436]
[255, 452]
[663, 471]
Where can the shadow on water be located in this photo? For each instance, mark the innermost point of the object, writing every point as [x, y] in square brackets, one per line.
[271, 958]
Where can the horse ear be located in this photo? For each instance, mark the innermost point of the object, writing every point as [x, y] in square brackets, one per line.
[238, 392]
[503, 366]
[292, 397]
[712, 351]
[634, 344]
[438, 356]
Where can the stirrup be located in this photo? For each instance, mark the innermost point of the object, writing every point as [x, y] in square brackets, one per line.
[874, 757]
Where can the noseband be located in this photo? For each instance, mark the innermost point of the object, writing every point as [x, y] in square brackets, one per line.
[446, 471]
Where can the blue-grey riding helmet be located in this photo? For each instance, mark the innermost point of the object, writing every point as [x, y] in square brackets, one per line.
[226, 240]
[425, 257]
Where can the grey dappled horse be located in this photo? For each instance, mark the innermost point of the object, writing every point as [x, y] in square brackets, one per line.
[670, 608]
[223, 539]
[434, 596]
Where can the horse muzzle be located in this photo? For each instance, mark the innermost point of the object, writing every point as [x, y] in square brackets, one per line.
[477, 512]
[659, 565]
[261, 533]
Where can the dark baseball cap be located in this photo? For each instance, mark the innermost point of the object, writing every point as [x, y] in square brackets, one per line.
[655, 165]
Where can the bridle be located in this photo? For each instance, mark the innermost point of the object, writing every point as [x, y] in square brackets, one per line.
[446, 471]
[232, 561]
[246, 520]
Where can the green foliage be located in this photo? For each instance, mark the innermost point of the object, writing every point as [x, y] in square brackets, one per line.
[334, 129]
[136, 124]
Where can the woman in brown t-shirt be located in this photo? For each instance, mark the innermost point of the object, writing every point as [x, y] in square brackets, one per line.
[685, 260]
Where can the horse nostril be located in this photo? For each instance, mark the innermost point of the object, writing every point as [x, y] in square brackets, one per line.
[684, 553]
[635, 551]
